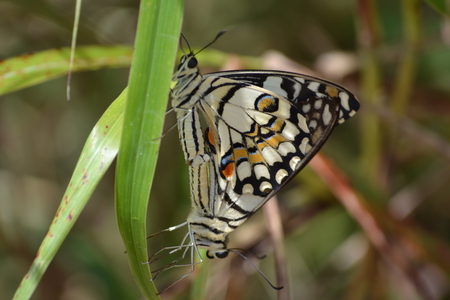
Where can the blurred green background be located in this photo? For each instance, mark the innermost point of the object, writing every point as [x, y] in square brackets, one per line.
[394, 55]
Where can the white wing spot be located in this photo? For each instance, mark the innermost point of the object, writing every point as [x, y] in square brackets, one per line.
[273, 83]
[264, 130]
[326, 117]
[265, 187]
[344, 100]
[271, 156]
[244, 170]
[281, 175]
[314, 86]
[297, 88]
[285, 148]
[261, 171]
[299, 79]
[290, 131]
[306, 108]
[302, 123]
[248, 189]
[318, 104]
[294, 163]
[313, 124]
[305, 146]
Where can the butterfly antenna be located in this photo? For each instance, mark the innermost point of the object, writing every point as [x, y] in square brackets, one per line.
[212, 42]
[257, 269]
[187, 43]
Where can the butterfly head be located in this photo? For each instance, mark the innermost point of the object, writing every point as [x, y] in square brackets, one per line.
[188, 61]
[219, 252]
[215, 244]
[188, 65]
[208, 233]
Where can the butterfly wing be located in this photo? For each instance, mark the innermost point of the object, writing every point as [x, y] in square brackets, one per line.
[298, 88]
[264, 127]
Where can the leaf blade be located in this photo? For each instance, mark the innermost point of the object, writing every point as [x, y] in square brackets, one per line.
[153, 61]
[26, 70]
[98, 153]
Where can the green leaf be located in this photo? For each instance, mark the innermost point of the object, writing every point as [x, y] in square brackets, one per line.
[153, 61]
[98, 153]
[30, 69]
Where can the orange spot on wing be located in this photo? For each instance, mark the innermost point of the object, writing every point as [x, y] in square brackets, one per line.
[265, 103]
[275, 141]
[255, 132]
[240, 153]
[210, 137]
[255, 158]
[333, 92]
[277, 125]
[229, 169]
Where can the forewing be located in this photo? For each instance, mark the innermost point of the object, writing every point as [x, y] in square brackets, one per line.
[297, 88]
[323, 104]
[259, 138]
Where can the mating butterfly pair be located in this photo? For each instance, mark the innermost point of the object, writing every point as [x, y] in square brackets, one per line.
[263, 128]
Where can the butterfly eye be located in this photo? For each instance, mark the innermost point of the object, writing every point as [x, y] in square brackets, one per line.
[192, 63]
[222, 254]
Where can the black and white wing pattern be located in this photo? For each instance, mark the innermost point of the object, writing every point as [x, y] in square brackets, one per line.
[262, 128]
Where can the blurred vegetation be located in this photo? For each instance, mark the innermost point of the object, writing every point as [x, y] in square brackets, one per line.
[395, 152]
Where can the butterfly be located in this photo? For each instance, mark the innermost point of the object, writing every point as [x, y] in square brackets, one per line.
[263, 127]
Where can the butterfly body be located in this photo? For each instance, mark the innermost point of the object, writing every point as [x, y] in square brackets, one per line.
[262, 128]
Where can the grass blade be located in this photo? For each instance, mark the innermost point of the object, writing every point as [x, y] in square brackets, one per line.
[153, 61]
[30, 69]
[98, 153]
